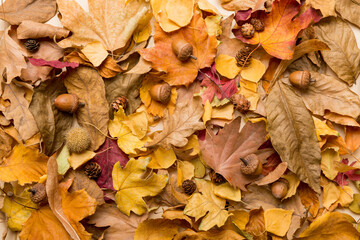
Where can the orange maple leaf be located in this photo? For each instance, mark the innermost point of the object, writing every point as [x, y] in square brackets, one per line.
[279, 36]
[162, 57]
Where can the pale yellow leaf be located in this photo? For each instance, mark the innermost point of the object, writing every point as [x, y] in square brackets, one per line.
[254, 71]
[226, 66]
[161, 158]
[328, 158]
[180, 11]
[78, 159]
[227, 191]
[224, 112]
[277, 221]
[95, 52]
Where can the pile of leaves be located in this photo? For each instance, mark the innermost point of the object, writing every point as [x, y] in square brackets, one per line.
[163, 119]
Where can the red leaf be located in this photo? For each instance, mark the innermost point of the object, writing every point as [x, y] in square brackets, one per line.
[109, 154]
[56, 64]
[352, 175]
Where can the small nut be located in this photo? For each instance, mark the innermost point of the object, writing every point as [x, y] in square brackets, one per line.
[280, 188]
[182, 49]
[300, 79]
[161, 92]
[67, 103]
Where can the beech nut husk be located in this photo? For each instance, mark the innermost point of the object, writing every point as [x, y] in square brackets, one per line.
[300, 79]
[161, 92]
[280, 188]
[67, 102]
[251, 165]
[182, 49]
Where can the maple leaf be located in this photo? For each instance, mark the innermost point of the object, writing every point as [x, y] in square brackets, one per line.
[222, 152]
[43, 225]
[131, 188]
[163, 58]
[121, 226]
[281, 29]
[24, 165]
[182, 124]
[206, 204]
[107, 155]
[111, 23]
[222, 87]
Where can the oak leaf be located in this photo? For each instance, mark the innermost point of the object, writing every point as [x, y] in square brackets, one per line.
[344, 57]
[182, 124]
[222, 152]
[121, 226]
[43, 225]
[88, 85]
[131, 188]
[206, 205]
[331, 225]
[164, 59]
[281, 28]
[111, 23]
[292, 132]
[24, 164]
[16, 11]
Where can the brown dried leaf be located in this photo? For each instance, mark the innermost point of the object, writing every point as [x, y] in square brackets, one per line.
[349, 10]
[19, 111]
[259, 196]
[5, 143]
[53, 124]
[88, 85]
[16, 11]
[256, 224]
[177, 127]
[31, 29]
[292, 132]
[240, 5]
[121, 226]
[326, 7]
[222, 152]
[274, 175]
[344, 57]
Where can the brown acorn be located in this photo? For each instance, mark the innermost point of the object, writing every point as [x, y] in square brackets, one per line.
[251, 165]
[300, 79]
[67, 103]
[189, 187]
[247, 30]
[38, 193]
[216, 177]
[161, 92]
[280, 188]
[258, 24]
[182, 49]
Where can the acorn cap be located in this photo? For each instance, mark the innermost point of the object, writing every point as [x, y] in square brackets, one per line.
[78, 140]
[280, 188]
[251, 165]
[161, 92]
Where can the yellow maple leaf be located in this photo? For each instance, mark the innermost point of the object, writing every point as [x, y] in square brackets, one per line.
[131, 187]
[43, 225]
[161, 158]
[24, 165]
[127, 141]
[206, 205]
[17, 213]
[76, 206]
[277, 221]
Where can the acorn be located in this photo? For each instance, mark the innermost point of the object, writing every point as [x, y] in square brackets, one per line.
[38, 193]
[300, 79]
[78, 140]
[247, 30]
[251, 165]
[280, 188]
[67, 102]
[182, 49]
[161, 92]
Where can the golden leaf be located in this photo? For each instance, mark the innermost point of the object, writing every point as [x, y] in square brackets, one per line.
[277, 221]
[159, 229]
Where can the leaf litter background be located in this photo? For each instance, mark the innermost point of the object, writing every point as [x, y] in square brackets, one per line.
[270, 200]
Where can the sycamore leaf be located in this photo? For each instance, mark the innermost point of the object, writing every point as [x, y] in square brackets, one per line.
[19, 111]
[331, 225]
[16, 11]
[121, 226]
[107, 155]
[111, 23]
[76, 206]
[161, 229]
[254, 71]
[208, 205]
[182, 124]
[344, 57]
[24, 165]
[17, 213]
[222, 152]
[88, 85]
[43, 225]
[227, 66]
[292, 132]
[131, 188]
[281, 28]
[163, 58]
[277, 221]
